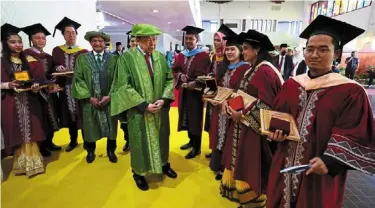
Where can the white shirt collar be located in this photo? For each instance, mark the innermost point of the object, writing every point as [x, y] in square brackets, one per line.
[101, 54]
[140, 49]
[73, 46]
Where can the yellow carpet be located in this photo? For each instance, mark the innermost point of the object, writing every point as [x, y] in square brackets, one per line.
[70, 182]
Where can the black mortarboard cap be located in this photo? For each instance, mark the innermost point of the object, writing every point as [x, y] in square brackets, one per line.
[338, 30]
[64, 23]
[232, 40]
[7, 29]
[253, 36]
[192, 30]
[226, 30]
[284, 45]
[35, 28]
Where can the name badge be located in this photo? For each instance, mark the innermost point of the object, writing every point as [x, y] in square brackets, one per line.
[21, 76]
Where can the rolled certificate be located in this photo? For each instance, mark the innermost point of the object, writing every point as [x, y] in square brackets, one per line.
[296, 169]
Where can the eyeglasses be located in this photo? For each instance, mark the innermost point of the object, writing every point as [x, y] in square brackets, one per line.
[320, 51]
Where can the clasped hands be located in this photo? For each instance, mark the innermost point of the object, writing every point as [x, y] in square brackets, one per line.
[100, 103]
[190, 85]
[155, 107]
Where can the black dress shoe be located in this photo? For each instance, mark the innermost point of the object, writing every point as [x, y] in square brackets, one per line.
[54, 147]
[193, 153]
[186, 146]
[71, 147]
[218, 177]
[90, 157]
[167, 170]
[141, 182]
[126, 147]
[44, 152]
[208, 155]
[112, 156]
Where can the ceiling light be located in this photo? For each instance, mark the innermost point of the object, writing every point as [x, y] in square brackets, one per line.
[169, 23]
[248, 17]
[155, 11]
[123, 23]
[178, 30]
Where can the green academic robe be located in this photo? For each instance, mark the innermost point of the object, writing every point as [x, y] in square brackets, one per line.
[92, 79]
[148, 132]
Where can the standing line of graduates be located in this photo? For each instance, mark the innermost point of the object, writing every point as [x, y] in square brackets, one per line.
[332, 113]
[333, 116]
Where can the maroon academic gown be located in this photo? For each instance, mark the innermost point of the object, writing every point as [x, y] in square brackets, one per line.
[21, 113]
[253, 155]
[52, 123]
[190, 104]
[220, 123]
[213, 68]
[335, 121]
[70, 111]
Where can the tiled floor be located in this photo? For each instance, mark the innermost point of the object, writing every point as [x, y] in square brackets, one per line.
[360, 188]
[359, 191]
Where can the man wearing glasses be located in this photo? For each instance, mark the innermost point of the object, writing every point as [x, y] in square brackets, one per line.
[335, 123]
[143, 86]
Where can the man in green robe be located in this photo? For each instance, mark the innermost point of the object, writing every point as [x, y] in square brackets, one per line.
[143, 86]
[93, 76]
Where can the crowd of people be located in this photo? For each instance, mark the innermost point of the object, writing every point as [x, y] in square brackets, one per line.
[93, 90]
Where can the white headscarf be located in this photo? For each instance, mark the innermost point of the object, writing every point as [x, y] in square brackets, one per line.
[298, 55]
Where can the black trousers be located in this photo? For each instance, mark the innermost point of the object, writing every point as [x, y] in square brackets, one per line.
[196, 141]
[48, 141]
[91, 146]
[371, 78]
[349, 74]
[124, 127]
[73, 131]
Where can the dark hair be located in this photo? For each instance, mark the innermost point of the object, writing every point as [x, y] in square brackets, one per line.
[263, 54]
[63, 30]
[118, 43]
[6, 52]
[225, 63]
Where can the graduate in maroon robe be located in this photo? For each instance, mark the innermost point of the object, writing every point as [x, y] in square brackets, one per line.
[21, 112]
[247, 154]
[217, 60]
[335, 122]
[64, 57]
[228, 75]
[37, 35]
[189, 64]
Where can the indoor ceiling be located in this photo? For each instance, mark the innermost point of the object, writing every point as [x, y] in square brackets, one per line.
[171, 16]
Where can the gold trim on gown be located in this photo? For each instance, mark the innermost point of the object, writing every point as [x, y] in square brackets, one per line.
[28, 160]
[240, 192]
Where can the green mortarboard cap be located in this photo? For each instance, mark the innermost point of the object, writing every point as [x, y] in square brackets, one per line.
[145, 30]
[92, 34]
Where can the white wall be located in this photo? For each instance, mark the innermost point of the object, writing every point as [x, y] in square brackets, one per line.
[289, 11]
[169, 39]
[49, 13]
